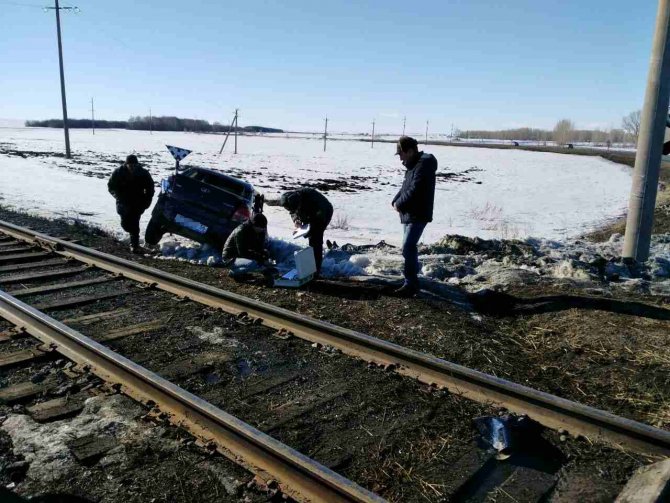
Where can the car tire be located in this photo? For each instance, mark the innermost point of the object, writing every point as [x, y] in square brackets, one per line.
[155, 231]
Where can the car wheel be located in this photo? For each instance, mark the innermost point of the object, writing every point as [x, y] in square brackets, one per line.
[155, 231]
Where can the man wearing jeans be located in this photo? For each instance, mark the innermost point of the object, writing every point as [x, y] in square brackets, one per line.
[414, 202]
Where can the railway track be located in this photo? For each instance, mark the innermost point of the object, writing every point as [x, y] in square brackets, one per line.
[301, 477]
[551, 411]
[31, 258]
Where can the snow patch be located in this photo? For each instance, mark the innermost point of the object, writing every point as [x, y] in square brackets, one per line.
[567, 269]
[45, 447]
[214, 336]
[177, 249]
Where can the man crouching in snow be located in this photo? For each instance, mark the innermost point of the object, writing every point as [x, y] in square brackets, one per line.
[414, 202]
[133, 188]
[247, 241]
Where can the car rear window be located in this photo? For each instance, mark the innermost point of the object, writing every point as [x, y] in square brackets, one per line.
[194, 174]
[222, 182]
[227, 184]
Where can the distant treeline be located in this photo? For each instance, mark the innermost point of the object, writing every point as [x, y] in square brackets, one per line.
[153, 123]
[532, 134]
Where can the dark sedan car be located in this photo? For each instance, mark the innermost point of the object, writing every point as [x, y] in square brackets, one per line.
[203, 205]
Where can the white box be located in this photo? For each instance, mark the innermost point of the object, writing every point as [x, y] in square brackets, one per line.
[305, 268]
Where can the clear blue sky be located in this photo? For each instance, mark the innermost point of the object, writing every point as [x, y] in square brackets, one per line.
[288, 63]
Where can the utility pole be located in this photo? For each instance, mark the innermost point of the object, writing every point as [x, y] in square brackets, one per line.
[373, 134]
[404, 121]
[236, 110]
[642, 202]
[325, 134]
[92, 116]
[58, 8]
[151, 120]
[232, 123]
[426, 132]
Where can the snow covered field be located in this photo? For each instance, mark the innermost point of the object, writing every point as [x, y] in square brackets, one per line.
[482, 192]
[546, 199]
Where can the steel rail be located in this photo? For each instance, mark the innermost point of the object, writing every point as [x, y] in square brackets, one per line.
[299, 476]
[549, 410]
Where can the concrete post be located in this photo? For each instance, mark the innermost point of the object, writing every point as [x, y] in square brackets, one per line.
[650, 142]
[373, 135]
[325, 134]
[236, 115]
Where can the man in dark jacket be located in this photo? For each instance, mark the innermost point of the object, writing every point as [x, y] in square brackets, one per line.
[414, 202]
[133, 188]
[248, 240]
[309, 206]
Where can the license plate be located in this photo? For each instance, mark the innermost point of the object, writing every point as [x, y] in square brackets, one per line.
[191, 224]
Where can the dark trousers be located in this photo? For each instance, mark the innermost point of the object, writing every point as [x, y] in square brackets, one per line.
[411, 235]
[315, 239]
[130, 222]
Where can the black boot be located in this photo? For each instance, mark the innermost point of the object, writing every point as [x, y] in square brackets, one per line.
[134, 243]
[406, 291]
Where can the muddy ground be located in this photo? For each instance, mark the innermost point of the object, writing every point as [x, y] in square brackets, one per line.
[603, 347]
[387, 433]
[396, 437]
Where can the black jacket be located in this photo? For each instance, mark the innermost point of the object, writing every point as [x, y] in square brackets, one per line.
[309, 206]
[415, 198]
[131, 189]
[245, 242]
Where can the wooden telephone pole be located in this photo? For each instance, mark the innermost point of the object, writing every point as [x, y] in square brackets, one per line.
[92, 116]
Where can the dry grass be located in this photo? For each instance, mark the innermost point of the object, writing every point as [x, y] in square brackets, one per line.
[488, 213]
[341, 221]
[494, 219]
[612, 361]
[395, 463]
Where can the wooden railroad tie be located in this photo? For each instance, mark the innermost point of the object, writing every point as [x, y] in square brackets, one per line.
[61, 286]
[23, 257]
[34, 265]
[78, 301]
[19, 278]
[22, 357]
